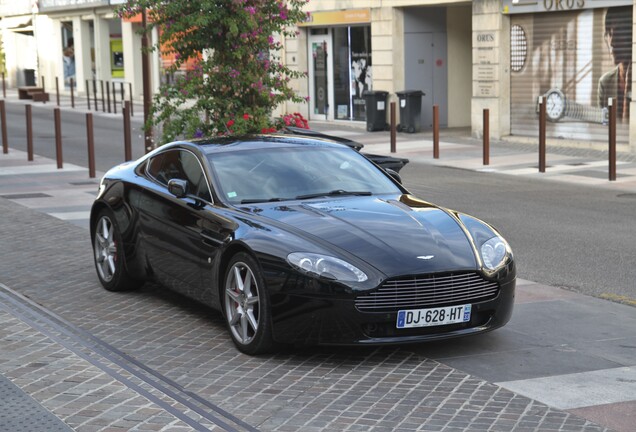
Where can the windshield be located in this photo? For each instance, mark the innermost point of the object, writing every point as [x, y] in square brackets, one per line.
[279, 174]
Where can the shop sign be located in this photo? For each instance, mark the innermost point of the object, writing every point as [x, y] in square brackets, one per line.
[330, 18]
[56, 5]
[533, 6]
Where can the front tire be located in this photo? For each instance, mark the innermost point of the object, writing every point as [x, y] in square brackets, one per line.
[108, 252]
[246, 306]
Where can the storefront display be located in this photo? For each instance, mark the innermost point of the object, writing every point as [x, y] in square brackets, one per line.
[576, 60]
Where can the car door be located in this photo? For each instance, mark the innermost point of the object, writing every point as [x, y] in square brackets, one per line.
[172, 227]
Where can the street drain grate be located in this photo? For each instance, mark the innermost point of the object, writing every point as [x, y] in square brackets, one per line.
[20, 412]
[26, 196]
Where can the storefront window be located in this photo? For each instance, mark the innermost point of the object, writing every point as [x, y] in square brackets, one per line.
[352, 71]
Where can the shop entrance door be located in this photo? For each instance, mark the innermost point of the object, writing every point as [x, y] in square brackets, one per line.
[320, 73]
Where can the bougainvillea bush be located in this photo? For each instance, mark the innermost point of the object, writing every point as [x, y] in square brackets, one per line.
[235, 77]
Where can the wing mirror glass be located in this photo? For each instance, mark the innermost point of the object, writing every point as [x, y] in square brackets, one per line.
[178, 187]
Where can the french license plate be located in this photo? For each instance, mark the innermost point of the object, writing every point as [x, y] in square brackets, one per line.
[433, 317]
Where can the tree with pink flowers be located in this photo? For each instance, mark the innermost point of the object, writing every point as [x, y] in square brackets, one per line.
[235, 77]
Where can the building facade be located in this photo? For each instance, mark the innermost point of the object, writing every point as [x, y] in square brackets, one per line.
[465, 56]
[82, 40]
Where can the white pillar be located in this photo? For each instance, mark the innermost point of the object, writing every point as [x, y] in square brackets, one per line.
[102, 49]
[132, 57]
[82, 45]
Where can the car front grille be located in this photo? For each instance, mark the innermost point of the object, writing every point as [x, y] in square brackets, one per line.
[424, 291]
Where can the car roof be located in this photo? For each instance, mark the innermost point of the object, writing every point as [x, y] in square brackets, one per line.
[250, 142]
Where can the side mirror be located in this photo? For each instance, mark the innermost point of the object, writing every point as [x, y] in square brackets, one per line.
[394, 175]
[178, 187]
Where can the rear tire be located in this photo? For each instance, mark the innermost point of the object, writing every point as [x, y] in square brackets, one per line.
[108, 252]
[246, 306]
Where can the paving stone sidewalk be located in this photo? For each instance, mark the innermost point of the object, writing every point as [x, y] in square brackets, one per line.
[362, 389]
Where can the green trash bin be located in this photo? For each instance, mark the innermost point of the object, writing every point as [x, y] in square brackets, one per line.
[410, 110]
[375, 102]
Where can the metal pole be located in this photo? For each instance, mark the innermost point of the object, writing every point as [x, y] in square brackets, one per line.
[435, 132]
[542, 128]
[72, 93]
[114, 99]
[132, 106]
[612, 140]
[58, 138]
[4, 86]
[127, 139]
[3, 115]
[101, 85]
[91, 145]
[393, 129]
[145, 70]
[95, 94]
[43, 89]
[57, 91]
[88, 95]
[29, 131]
[108, 95]
[486, 137]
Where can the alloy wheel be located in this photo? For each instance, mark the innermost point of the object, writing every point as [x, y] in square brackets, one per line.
[242, 302]
[105, 249]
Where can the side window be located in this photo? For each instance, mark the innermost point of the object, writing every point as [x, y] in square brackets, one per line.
[182, 165]
[166, 166]
[197, 183]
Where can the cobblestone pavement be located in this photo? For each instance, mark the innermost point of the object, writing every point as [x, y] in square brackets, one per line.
[97, 384]
[153, 360]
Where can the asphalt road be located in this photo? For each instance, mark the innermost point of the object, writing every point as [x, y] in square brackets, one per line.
[576, 237]
[108, 135]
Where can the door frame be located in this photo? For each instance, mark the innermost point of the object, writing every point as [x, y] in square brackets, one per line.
[324, 38]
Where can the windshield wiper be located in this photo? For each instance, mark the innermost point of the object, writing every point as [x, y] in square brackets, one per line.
[261, 200]
[337, 192]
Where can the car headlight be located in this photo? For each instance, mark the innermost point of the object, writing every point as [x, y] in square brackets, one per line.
[326, 266]
[493, 252]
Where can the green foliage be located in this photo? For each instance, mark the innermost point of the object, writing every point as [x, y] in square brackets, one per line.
[235, 74]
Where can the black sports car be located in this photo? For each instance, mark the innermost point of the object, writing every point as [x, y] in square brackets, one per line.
[299, 240]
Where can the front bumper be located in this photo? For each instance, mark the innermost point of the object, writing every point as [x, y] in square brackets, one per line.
[321, 320]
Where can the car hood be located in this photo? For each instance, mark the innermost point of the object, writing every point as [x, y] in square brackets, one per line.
[397, 235]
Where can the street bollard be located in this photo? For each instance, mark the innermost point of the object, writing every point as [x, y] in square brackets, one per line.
[95, 94]
[88, 95]
[132, 109]
[58, 138]
[127, 131]
[3, 117]
[435, 132]
[612, 139]
[72, 93]
[91, 145]
[29, 131]
[114, 99]
[57, 91]
[101, 85]
[542, 128]
[486, 136]
[108, 96]
[43, 89]
[393, 129]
